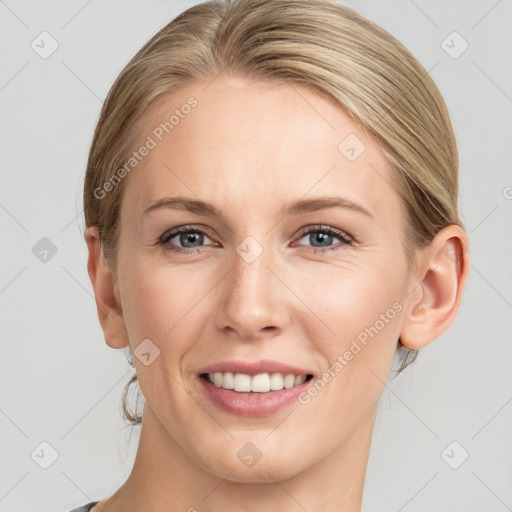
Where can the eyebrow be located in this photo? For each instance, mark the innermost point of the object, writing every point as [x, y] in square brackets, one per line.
[297, 207]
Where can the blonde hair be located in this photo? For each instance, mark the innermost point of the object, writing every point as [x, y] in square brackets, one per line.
[319, 44]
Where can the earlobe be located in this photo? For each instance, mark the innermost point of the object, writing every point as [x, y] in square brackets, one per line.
[106, 292]
[435, 301]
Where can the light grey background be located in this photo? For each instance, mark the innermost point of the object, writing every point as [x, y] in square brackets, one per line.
[61, 384]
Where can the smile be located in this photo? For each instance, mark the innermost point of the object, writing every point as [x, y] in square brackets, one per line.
[260, 383]
[253, 388]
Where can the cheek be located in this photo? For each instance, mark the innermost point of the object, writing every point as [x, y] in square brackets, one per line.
[161, 299]
[163, 304]
[347, 301]
[332, 304]
[363, 309]
[365, 315]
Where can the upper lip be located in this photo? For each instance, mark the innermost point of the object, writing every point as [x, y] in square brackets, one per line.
[254, 367]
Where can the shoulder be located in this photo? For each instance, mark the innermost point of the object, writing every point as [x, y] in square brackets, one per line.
[84, 508]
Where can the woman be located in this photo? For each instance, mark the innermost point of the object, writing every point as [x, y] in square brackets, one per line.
[271, 212]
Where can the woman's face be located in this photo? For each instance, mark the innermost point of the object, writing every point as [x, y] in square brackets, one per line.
[262, 285]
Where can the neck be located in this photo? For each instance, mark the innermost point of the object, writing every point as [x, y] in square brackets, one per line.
[163, 474]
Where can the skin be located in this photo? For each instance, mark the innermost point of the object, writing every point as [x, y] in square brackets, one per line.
[251, 149]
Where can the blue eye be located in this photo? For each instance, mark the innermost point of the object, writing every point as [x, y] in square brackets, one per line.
[186, 235]
[326, 236]
[192, 237]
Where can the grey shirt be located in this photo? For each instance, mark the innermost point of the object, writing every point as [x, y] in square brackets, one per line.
[84, 508]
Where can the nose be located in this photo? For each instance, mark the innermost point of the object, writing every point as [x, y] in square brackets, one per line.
[255, 303]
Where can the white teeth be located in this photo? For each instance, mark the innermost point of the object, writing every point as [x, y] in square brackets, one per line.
[242, 382]
[261, 383]
[229, 381]
[289, 381]
[276, 382]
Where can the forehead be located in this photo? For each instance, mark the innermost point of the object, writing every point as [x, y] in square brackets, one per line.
[239, 142]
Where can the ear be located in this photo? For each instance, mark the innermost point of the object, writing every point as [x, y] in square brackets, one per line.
[106, 292]
[443, 268]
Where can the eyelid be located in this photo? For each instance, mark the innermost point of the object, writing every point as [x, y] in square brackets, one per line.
[171, 233]
[313, 228]
[346, 238]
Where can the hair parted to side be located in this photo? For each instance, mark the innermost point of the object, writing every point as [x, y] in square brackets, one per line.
[319, 44]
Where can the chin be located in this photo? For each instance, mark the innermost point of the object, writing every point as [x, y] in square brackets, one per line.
[262, 472]
[252, 458]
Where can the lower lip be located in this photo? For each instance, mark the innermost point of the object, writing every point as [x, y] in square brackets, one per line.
[251, 404]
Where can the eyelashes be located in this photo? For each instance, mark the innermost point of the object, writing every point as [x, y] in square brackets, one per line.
[165, 239]
[309, 231]
[331, 232]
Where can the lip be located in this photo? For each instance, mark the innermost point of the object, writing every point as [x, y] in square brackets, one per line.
[255, 367]
[251, 405]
